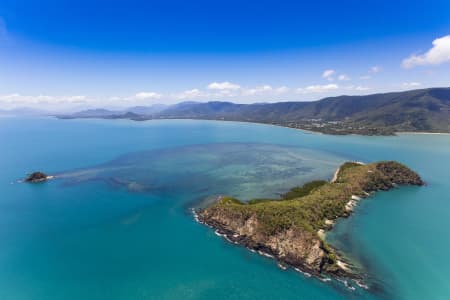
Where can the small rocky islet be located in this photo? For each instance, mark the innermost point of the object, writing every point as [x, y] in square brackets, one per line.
[292, 229]
[36, 177]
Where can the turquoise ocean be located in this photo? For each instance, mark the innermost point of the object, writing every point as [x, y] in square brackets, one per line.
[116, 223]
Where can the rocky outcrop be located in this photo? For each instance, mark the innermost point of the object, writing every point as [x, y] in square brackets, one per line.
[37, 177]
[295, 247]
[292, 230]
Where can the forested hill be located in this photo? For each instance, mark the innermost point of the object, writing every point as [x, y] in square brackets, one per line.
[426, 110]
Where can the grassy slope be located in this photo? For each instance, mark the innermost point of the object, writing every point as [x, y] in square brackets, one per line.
[306, 209]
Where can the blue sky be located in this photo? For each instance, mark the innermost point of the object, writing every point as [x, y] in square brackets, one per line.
[71, 54]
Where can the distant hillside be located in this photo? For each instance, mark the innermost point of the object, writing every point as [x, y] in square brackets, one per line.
[425, 110]
[147, 110]
[93, 113]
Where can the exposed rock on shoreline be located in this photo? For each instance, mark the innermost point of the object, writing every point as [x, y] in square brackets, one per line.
[292, 229]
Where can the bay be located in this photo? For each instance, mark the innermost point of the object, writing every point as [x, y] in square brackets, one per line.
[116, 222]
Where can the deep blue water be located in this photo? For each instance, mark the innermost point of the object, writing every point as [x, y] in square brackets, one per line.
[115, 224]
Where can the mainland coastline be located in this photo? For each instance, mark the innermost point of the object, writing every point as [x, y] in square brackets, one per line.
[423, 111]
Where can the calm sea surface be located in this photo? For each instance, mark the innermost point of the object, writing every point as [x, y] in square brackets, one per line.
[116, 223]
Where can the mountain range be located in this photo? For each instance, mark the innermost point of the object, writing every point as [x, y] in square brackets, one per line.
[423, 110]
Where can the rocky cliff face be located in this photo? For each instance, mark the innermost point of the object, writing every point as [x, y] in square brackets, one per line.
[292, 230]
[293, 246]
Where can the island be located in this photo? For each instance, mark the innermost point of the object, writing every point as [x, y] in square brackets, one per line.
[37, 177]
[292, 229]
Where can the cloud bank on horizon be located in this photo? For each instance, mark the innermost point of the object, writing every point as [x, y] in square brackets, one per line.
[76, 55]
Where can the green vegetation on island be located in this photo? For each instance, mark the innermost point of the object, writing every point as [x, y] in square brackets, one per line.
[292, 227]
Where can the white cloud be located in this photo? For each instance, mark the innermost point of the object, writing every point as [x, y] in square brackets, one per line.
[358, 88]
[328, 74]
[139, 98]
[226, 85]
[329, 88]
[343, 77]
[224, 93]
[189, 94]
[11, 98]
[438, 54]
[362, 88]
[372, 70]
[251, 94]
[318, 88]
[258, 90]
[411, 84]
[265, 89]
[78, 98]
[148, 95]
[19, 99]
[16, 100]
[282, 89]
[375, 69]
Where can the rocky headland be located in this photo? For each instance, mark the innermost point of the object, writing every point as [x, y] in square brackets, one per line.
[292, 229]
